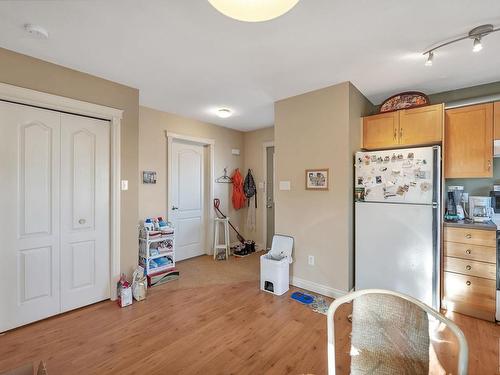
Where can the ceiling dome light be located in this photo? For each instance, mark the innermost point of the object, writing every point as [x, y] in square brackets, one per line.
[224, 112]
[254, 10]
[430, 57]
[477, 46]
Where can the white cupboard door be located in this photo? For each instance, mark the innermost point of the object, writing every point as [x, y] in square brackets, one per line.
[29, 215]
[186, 210]
[84, 211]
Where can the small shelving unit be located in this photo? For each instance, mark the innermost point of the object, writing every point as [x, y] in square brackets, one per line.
[156, 250]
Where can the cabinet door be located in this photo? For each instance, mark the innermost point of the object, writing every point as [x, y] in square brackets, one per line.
[380, 131]
[496, 112]
[469, 141]
[421, 126]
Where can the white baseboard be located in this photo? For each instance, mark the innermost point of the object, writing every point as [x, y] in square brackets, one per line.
[317, 288]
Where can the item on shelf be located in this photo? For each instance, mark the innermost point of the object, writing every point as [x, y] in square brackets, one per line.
[139, 284]
[162, 277]
[124, 291]
[404, 100]
[162, 224]
[149, 225]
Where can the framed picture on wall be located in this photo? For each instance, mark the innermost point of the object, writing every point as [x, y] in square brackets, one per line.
[317, 179]
[149, 177]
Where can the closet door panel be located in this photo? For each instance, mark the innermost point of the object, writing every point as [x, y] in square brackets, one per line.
[29, 220]
[84, 211]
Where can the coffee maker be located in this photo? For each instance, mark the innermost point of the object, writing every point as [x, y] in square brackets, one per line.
[480, 209]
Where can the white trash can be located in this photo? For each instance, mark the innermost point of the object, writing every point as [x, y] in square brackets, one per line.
[275, 266]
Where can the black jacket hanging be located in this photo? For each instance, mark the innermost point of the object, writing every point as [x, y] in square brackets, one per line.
[249, 187]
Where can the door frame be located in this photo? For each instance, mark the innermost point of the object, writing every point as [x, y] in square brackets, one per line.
[58, 103]
[265, 146]
[208, 214]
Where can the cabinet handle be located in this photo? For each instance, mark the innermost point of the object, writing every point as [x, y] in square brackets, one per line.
[468, 235]
[395, 133]
[489, 164]
[468, 283]
[401, 133]
[468, 251]
[468, 268]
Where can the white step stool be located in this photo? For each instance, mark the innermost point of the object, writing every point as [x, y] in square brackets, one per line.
[219, 246]
[275, 266]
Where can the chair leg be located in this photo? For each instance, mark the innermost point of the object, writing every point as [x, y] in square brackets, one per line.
[216, 236]
[226, 235]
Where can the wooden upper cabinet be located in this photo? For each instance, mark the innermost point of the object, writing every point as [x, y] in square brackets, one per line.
[469, 141]
[380, 131]
[408, 127]
[496, 121]
[421, 126]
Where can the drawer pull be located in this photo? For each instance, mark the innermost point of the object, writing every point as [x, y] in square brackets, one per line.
[468, 235]
[468, 268]
[468, 251]
[468, 283]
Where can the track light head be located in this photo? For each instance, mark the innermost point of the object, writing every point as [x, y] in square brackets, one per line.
[430, 57]
[477, 46]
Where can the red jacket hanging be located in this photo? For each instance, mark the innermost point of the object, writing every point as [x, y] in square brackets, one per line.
[238, 194]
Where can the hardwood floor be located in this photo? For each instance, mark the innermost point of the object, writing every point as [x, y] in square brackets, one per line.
[214, 320]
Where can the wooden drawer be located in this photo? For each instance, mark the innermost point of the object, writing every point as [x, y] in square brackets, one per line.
[470, 295]
[470, 267]
[471, 252]
[471, 236]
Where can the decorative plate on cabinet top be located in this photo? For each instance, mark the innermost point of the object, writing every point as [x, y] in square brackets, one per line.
[404, 100]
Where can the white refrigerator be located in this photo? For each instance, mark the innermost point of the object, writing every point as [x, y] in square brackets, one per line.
[397, 216]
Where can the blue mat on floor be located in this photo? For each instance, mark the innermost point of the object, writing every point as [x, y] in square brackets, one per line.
[316, 303]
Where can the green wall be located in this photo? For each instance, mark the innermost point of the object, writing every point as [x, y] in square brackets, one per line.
[478, 186]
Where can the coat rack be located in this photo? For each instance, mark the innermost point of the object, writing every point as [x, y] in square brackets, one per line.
[225, 179]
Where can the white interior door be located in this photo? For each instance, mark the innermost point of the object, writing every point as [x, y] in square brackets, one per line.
[84, 211]
[29, 216]
[186, 199]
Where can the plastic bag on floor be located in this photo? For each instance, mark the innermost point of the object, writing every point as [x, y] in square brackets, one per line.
[139, 284]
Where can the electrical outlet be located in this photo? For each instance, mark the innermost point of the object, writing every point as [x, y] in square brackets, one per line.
[311, 260]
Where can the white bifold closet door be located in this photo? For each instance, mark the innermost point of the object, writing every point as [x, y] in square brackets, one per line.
[54, 199]
[84, 211]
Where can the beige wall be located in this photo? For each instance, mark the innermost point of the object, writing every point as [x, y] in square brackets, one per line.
[153, 125]
[254, 160]
[319, 129]
[24, 71]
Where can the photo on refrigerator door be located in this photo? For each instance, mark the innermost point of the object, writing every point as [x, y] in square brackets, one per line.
[395, 175]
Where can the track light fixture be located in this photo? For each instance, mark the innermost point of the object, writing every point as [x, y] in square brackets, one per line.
[430, 57]
[476, 34]
[477, 46]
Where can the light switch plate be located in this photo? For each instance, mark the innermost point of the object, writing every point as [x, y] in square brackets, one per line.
[235, 151]
[285, 185]
[124, 185]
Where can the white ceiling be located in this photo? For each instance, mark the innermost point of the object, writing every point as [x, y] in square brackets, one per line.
[188, 59]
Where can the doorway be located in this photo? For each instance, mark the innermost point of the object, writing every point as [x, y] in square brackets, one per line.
[269, 194]
[189, 191]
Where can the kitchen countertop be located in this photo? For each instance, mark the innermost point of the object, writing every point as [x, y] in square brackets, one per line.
[490, 225]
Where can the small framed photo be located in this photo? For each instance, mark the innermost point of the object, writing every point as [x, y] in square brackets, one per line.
[317, 179]
[149, 177]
